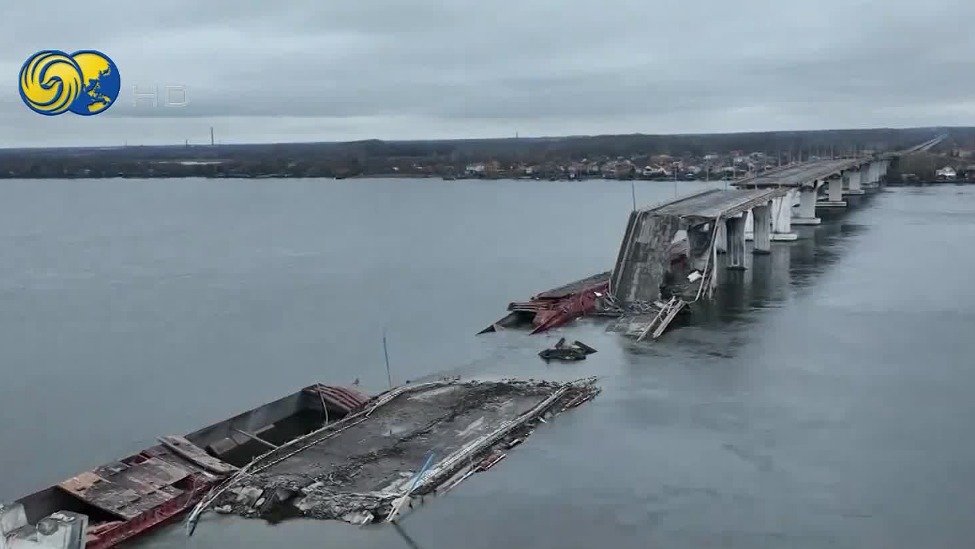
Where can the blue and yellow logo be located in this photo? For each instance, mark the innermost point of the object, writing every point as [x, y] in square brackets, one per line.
[85, 82]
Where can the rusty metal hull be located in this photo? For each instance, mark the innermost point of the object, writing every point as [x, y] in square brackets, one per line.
[129, 497]
[556, 307]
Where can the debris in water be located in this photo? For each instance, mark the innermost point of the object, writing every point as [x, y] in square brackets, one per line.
[376, 464]
[119, 501]
[570, 353]
[556, 307]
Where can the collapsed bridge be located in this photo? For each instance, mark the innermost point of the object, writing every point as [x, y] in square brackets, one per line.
[653, 235]
[668, 256]
[649, 287]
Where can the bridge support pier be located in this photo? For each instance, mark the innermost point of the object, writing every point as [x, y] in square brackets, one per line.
[699, 246]
[735, 228]
[762, 216]
[834, 194]
[807, 207]
[873, 175]
[855, 181]
[721, 238]
[782, 218]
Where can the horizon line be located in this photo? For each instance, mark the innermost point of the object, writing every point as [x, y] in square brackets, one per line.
[509, 138]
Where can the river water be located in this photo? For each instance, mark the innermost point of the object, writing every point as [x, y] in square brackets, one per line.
[825, 399]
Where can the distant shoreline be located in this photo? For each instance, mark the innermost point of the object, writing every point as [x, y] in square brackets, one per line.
[349, 178]
[686, 157]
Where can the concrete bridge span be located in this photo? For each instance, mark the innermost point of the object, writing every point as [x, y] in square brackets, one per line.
[668, 244]
[689, 227]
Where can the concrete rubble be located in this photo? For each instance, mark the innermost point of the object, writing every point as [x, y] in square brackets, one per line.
[376, 464]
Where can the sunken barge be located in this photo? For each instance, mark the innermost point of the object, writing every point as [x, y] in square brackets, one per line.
[591, 296]
[119, 501]
[556, 307]
[323, 452]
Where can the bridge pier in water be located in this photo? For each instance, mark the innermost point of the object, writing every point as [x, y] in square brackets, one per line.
[762, 216]
[807, 207]
[834, 193]
[876, 172]
[735, 229]
[782, 217]
[855, 179]
[700, 252]
[873, 175]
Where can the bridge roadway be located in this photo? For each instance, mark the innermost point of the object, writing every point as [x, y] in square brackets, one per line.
[927, 145]
[668, 245]
[840, 177]
[716, 203]
[800, 174]
[762, 206]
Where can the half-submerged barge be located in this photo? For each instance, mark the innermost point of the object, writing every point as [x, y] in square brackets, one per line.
[119, 501]
[556, 307]
[324, 452]
[589, 296]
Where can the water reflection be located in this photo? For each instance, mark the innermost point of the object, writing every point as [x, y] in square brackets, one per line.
[405, 537]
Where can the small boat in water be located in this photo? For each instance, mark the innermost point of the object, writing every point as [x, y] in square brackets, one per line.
[118, 501]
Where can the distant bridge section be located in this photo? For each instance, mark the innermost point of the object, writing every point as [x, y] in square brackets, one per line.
[692, 229]
[927, 145]
[838, 177]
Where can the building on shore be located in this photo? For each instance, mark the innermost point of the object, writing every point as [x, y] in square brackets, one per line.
[946, 174]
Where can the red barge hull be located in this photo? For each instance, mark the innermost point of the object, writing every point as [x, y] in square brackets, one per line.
[122, 500]
[556, 307]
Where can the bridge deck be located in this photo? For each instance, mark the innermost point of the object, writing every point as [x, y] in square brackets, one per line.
[799, 175]
[716, 203]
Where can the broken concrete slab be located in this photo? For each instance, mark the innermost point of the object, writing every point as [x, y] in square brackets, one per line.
[357, 469]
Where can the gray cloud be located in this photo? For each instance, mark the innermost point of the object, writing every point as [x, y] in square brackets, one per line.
[309, 70]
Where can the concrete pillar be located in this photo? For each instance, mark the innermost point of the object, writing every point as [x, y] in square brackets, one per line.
[763, 228]
[807, 207]
[855, 180]
[834, 190]
[699, 245]
[782, 217]
[735, 228]
[866, 175]
[721, 239]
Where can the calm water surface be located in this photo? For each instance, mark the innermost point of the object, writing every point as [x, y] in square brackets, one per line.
[825, 400]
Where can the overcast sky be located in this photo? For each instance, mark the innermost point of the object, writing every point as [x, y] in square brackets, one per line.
[327, 70]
